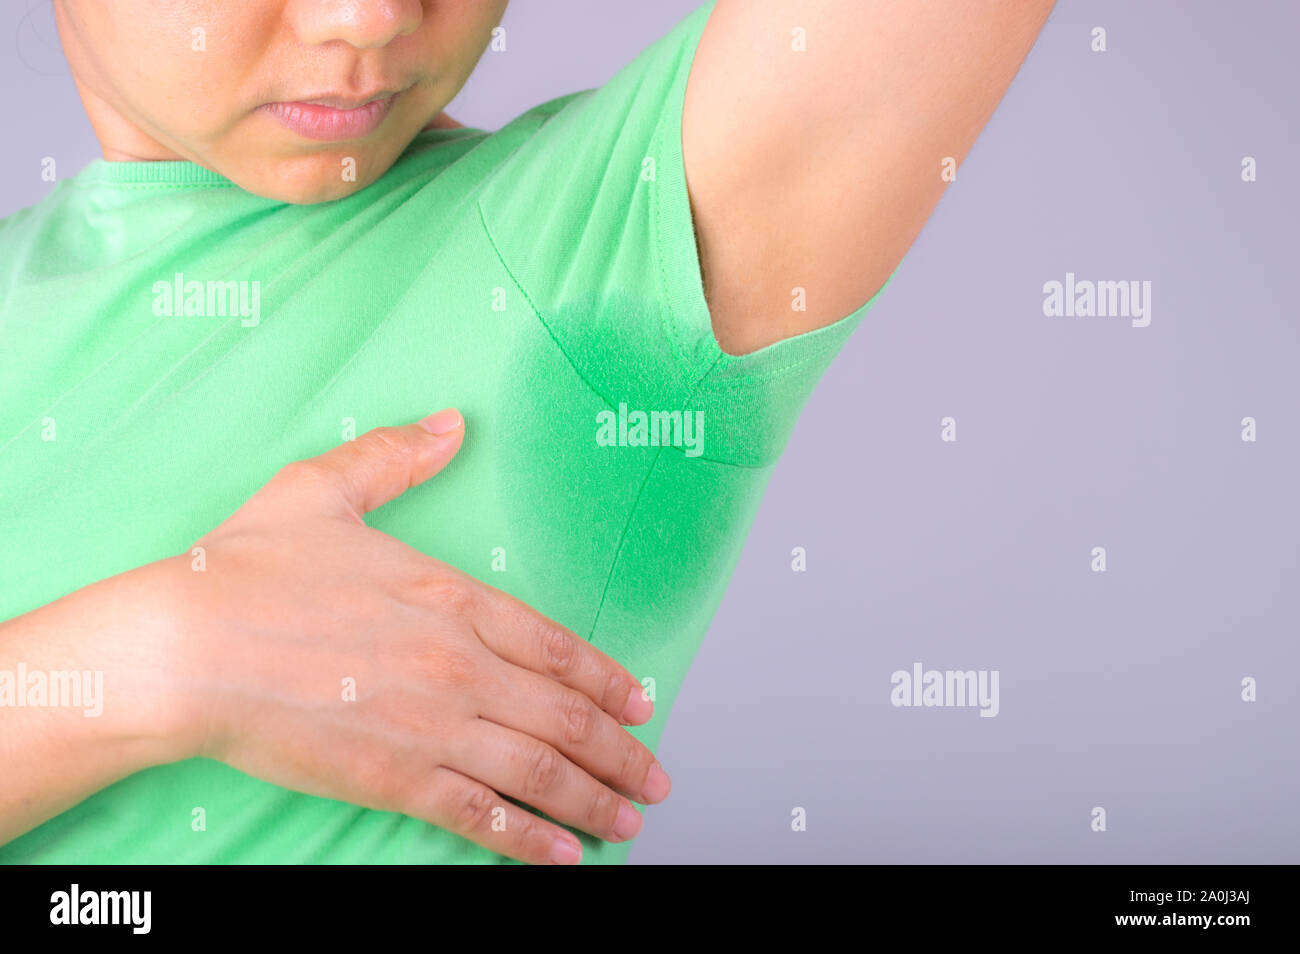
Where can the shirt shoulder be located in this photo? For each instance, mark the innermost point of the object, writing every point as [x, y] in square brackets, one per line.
[588, 209]
[591, 216]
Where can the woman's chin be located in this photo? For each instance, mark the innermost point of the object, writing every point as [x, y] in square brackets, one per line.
[314, 178]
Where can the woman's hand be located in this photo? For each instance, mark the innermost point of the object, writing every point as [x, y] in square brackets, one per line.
[332, 659]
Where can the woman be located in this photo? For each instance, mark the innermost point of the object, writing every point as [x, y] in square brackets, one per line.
[216, 333]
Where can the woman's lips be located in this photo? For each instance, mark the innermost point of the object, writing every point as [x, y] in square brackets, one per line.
[316, 120]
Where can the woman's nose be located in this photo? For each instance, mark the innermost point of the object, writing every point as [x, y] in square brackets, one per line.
[364, 24]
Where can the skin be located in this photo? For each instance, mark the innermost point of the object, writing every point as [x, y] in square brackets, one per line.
[812, 170]
[817, 170]
[140, 80]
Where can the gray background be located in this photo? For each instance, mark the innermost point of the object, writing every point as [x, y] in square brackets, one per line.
[1119, 690]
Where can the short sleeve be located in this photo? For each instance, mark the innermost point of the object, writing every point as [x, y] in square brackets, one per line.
[591, 217]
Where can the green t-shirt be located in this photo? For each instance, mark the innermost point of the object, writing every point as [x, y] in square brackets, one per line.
[169, 341]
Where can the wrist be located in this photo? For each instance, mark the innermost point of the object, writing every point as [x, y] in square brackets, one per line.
[158, 681]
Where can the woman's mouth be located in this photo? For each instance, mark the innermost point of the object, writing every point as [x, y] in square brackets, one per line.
[332, 119]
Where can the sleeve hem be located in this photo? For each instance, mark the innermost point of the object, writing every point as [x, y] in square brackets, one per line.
[688, 322]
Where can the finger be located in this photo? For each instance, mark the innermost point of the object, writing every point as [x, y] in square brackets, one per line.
[470, 809]
[581, 731]
[516, 764]
[364, 474]
[520, 635]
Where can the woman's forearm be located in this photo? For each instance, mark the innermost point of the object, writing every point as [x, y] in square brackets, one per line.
[86, 697]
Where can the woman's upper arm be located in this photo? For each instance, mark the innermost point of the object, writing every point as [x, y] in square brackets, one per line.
[814, 136]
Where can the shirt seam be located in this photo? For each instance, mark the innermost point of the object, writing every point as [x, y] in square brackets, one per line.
[568, 358]
[671, 319]
[622, 537]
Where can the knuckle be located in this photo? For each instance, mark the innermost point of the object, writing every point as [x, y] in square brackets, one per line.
[602, 810]
[636, 765]
[615, 695]
[544, 768]
[559, 651]
[579, 719]
[387, 442]
[446, 593]
[472, 808]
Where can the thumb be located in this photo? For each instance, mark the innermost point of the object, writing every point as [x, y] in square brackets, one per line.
[388, 461]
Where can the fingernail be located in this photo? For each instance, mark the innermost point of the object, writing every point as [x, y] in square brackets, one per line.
[657, 785]
[565, 850]
[444, 422]
[628, 822]
[638, 708]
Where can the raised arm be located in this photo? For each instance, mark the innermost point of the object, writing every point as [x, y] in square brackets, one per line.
[814, 135]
